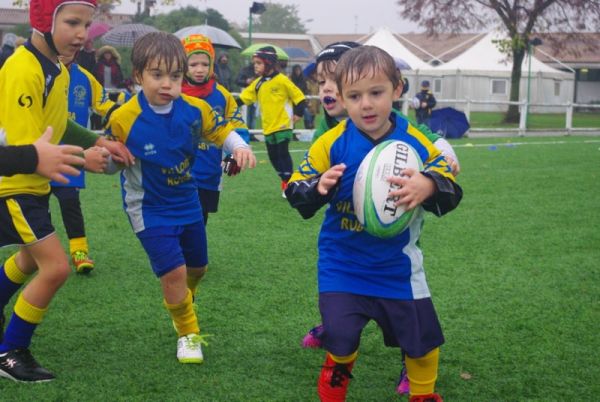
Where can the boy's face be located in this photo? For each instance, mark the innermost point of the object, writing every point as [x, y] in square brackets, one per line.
[159, 85]
[328, 92]
[198, 66]
[368, 102]
[259, 66]
[70, 28]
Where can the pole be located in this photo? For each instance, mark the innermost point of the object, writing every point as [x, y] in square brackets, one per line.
[250, 28]
[528, 83]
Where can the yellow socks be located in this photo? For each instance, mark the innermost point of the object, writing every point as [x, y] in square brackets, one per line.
[13, 272]
[29, 312]
[184, 317]
[422, 372]
[344, 359]
[78, 244]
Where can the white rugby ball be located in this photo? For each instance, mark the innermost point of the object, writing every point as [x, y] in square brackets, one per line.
[374, 209]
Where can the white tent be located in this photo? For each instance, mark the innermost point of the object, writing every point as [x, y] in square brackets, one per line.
[482, 72]
[385, 39]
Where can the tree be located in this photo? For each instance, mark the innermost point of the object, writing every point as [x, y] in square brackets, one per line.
[521, 19]
[279, 18]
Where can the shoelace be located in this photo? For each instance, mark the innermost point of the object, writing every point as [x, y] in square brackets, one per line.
[339, 375]
[197, 340]
[79, 256]
[26, 358]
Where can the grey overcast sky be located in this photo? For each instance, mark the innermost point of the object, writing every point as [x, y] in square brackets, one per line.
[320, 16]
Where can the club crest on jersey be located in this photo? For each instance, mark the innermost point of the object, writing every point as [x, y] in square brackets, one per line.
[79, 94]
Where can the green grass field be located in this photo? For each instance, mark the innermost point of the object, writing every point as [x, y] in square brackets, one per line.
[513, 271]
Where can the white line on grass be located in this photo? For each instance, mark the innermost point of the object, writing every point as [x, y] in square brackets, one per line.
[506, 144]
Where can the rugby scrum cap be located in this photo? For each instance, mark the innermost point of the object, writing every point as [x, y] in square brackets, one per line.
[43, 12]
[335, 50]
[267, 54]
[197, 43]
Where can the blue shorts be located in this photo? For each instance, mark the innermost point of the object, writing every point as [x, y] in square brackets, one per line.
[169, 247]
[24, 219]
[409, 324]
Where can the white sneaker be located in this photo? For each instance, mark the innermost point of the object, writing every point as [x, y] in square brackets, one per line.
[189, 349]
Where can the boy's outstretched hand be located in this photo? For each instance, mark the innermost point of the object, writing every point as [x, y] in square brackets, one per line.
[118, 150]
[96, 159]
[330, 178]
[244, 158]
[55, 161]
[415, 188]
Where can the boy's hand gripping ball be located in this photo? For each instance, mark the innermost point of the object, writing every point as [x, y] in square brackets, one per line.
[374, 209]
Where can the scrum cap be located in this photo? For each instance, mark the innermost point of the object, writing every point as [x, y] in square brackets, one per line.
[43, 12]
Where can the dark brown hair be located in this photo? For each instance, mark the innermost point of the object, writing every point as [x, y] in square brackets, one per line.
[365, 62]
[161, 47]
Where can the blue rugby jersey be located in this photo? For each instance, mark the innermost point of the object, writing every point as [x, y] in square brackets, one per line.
[350, 259]
[207, 168]
[159, 189]
[85, 94]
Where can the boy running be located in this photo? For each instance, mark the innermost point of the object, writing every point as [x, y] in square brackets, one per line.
[273, 90]
[362, 277]
[163, 128]
[33, 84]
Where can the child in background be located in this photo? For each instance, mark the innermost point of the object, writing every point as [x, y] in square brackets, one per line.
[163, 128]
[33, 84]
[85, 93]
[334, 112]
[272, 90]
[355, 269]
[199, 81]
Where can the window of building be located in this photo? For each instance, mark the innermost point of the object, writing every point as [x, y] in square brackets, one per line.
[437, 85]
[556, 88]
[499, 87]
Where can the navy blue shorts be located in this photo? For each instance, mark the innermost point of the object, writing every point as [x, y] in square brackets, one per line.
[409, 324]
[24, 219]
[169, 247]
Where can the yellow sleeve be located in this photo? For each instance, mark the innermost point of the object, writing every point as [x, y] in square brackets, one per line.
[100, 102]
[435, 161]
[214, 126]
[232, 111]
[121, 120]
[294, 93]
[248, 95]
[317, 160]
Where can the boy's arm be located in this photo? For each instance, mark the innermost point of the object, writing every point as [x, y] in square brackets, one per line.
[234, 115]
[303, 192]
[79, 135]
[248, 95]
[22, 159]
[447, 194]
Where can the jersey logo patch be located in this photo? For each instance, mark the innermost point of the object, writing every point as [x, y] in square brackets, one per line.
[149, 149]
[25, 101]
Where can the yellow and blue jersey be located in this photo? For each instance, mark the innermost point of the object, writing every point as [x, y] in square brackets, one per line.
[272, 95]
[207, 168]
[85, 94]
[350, 259]
[159, 189]
[33, 92]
